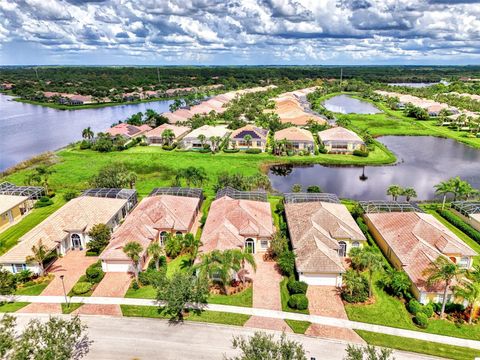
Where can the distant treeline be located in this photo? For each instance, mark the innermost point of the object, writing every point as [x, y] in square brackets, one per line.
[99, 81]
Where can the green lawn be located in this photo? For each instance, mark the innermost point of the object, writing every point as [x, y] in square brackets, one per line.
[144, 292]
[177, 264]
[71, 307]
[10, 307]
[35, 289]
[206, 316]
[244, 298]
[284, 295]
[298, 327]
[419, 346]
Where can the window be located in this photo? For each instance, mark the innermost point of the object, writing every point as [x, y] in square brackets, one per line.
[250, 246]
[163, 237]
[178, 233]
[339, 146]
[16, 268]
[464, 262]
[264, 244]
[355, 244]
[342, 251]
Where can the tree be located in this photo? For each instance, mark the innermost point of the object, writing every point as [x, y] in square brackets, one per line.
[100, 235]
[368, 352]
[263, 346]
[167, 136]
[40, 253]
[444, 188]
[114, 175]
[394, 191]
[40, 176]
[87, 133]
[182, 289]
[314, 189]
[409, 193]
[8, 283]
[193, 175]
[248, 139]
[133, 250]
[367, 259]
[442, 270]
[156, 251]
[190, 245]
[7, 335]
[215, 141]
[202, 138]
[286, 262]
[296, 188]
[469, 290]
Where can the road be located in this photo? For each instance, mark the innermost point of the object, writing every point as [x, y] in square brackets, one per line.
[119, 338]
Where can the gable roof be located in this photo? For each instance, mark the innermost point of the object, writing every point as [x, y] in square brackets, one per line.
[315, 229]
[209, 131]
[8, 202]
[128, 130]
[294, 134]
[255, 132]
[177, 130]
[79, 214]
[417, 239]
[339, 134]
[153, 215]
[230, 221]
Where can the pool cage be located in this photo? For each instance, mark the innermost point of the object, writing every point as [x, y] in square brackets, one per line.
[128, 194]
[467, 207]
[302, 197]
[383, 206]
[178, 191]
[242, 195]
[32, 192]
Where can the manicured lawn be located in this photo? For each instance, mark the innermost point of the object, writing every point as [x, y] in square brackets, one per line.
[206, 316]
[144, 292]
[419, 346]
[35, 289]
[284, 295]
[177, 264]
[71, 307]
[83, 278]
[12, 306]
[244, 298]
[298, 327]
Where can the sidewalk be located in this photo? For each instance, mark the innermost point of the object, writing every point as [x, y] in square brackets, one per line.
[316, 319]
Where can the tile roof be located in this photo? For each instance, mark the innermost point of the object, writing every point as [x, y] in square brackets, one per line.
[315, 229]
[418, 239]
[339, 134]
[177, 130]
[294, 134]
[8, 202]
[261, 133]
[128, 130]
[231, 221]
[152, 215]
[79, 214]
[209, 131]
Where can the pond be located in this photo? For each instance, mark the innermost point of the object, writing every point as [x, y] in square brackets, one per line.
[347, 105]
[27, 130]
[423, 161]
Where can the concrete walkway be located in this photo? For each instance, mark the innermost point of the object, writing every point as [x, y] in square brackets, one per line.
[316, 319]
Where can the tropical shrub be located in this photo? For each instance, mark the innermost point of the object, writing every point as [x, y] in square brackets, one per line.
[43, 202]
[169, 147]
[253, 151]
[414, 307]
[395, 282]
[69, 195]
[231, 151]
[428, 310]
[162, 261]
[355, 288]
[298, 301]
[23, 276]
[85, 144]
[296, 287]
[82, 287]
[452, 307]
[360, 153]
[460, 224]
[173, 247]
[421, 320]
[151, 276]
[100, 235]
[94, 273]
[286, 262]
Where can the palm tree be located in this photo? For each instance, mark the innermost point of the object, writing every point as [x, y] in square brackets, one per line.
[469, 290]
[444, 188]
[370, 260]
[88, 133]
[248, 140]
[409, 193]
[190, 245]
[352, 281]
[40, 253]
[133, 250]
[156, 251]
[442, 270]
[167, 136]
[202, 138]
[215, 142]
[394, 191]
[241, 257]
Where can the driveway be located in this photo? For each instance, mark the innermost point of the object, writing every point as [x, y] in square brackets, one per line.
[266, 295]
[72, 265]
[326, 301]
[112, 285]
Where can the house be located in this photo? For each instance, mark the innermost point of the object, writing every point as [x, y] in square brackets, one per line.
[128, 131]
[166, 211]
[299, 139]
[258, 138]
[322, 232]
[469, 211]
[16, 201]
[411, 240]
[154, 136]
[193, 140]
[67, 228]
[338, 140]
[238, 220]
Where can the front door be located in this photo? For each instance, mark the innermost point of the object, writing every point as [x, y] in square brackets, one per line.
[76, 241]
[250, 246]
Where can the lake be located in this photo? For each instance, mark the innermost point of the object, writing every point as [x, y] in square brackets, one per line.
[27, 130]
[345, 104]
[423, 161]
[414, 85]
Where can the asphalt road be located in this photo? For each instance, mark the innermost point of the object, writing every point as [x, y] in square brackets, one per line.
[125, 338]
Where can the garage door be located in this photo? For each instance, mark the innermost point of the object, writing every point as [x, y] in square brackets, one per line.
[108, 266]
[321, 279]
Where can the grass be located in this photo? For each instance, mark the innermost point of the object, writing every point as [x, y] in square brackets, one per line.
[216, 317]
[176, 265]
[35, 289]
[143, 292]
[284, 295]
[419, 346]
[244, 298]
[298, 327]
[71, 307]
[10, 307]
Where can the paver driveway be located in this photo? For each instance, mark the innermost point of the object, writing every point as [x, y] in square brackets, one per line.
[326, 301]
[72, 265]
[266, 294]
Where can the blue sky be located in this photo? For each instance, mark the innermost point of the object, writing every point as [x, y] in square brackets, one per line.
[238, 32]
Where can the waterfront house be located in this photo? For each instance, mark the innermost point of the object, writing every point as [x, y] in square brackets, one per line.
[238, 220]
[128, 131]
[322, 232]
[469, 211]
[201, 136]
[165, 212]
[299, 139]
[258, 138]
[338, 140]
[154, 136]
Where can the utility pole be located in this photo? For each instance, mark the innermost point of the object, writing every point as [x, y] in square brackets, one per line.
[341, 75]
[36, 73]
[158, 76]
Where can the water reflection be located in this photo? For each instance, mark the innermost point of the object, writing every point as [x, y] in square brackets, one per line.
[345, 104]
[423, 162]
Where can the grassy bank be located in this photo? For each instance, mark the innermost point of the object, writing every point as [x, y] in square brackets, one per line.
[87, 106]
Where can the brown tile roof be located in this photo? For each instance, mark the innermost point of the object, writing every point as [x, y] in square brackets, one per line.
[79, 214]
[262, 133]
[315, 229]
[8, 202]
[339, 134]
[231, 221]
[417, 239]
[153, 215]
[294, 134]
[177, 130]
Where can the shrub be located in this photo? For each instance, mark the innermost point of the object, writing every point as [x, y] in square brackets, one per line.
[414, 307]
[451, 307]
[286, 262]
[231, 151]
[95, 273]
[69, 195]
[91, 253]
[135, 285]
[43, 201]
[103, 145]
[428, 310]
[296, 287]
[162, 261]
[421, 320]
[437, 307]
[253, 151]
[24, 276]
[314, 189]
[298, 301]
[355, 288]
[169, 147]
[151, 276]
[173, 246]
[360, 153]
[460, 224]
[280, 207]
[85, 144]
[82, 287]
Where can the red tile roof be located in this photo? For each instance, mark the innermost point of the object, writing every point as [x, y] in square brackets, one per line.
[128, 130]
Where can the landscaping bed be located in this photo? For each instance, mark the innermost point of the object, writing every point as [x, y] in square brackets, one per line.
[87, 283]
[34, 287]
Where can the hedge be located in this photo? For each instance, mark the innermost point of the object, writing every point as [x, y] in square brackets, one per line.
[231, 151]
[81, 288]
[421, 320]
[296, 287]
[298, 301]
[460, 224]
[360, 153]
[253, 151]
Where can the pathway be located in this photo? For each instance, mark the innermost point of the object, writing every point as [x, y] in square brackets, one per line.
[266, 295]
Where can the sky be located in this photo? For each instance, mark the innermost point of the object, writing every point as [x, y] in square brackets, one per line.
[239, 32]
